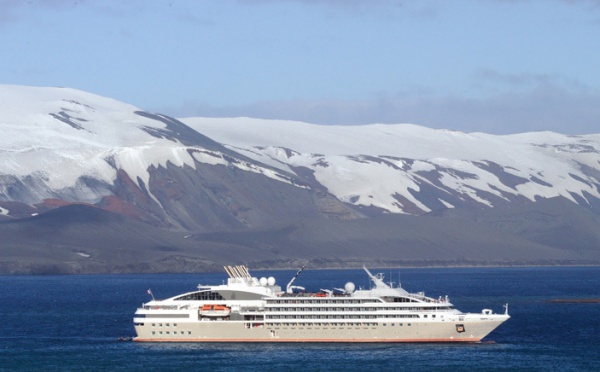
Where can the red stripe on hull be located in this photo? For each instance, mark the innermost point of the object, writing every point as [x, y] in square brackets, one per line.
[295, 340]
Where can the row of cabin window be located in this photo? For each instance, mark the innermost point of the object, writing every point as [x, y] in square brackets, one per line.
[323, 301]
[168, 332]
[340, 316]
[341, 325]
[201, 296]
[277, 309]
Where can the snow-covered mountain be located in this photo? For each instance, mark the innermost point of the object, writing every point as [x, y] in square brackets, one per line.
[61, 145]
[58, 136]
[188, 194]
[412, 169]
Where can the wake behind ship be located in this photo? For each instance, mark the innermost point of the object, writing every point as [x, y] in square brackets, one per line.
[248, 309]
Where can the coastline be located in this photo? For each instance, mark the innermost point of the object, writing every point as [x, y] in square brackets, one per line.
[181, 265]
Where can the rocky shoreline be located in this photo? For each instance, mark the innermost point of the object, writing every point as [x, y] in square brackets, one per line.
[180, 264]
[575, 301]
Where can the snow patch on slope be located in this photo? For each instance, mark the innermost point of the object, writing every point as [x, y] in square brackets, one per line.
[56, 136]
[548, 163]
[53, 139]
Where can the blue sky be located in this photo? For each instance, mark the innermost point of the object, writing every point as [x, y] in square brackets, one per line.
[495, 66]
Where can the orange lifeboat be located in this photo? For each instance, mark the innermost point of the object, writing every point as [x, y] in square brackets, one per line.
[215, 310]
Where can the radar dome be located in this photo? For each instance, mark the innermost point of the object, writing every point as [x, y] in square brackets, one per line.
[349, 287]
[263, 281]
[271, 281]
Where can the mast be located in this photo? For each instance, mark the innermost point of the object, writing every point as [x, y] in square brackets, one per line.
[377, 280]
[289, 288]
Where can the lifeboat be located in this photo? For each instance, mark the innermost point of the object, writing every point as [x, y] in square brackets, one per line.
[215, 310]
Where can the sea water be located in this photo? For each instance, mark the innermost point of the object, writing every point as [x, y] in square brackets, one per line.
[75, 322]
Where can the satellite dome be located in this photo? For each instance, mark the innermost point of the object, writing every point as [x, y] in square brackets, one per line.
[271, 281]
[349, 287]
[263, 281]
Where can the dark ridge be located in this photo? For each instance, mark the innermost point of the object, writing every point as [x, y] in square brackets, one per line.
[68, 215]
[64, 117]
[540, 182]
[176, 130]
[505, 177]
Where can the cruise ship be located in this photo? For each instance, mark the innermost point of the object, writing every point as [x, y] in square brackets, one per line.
[249, 309]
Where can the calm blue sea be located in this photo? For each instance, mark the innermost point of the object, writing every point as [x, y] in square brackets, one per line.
[73, 323]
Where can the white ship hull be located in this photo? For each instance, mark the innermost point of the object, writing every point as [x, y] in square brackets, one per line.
[258, 311]
[236, 331]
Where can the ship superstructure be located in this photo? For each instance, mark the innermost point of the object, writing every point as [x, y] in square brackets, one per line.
[248, 309]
